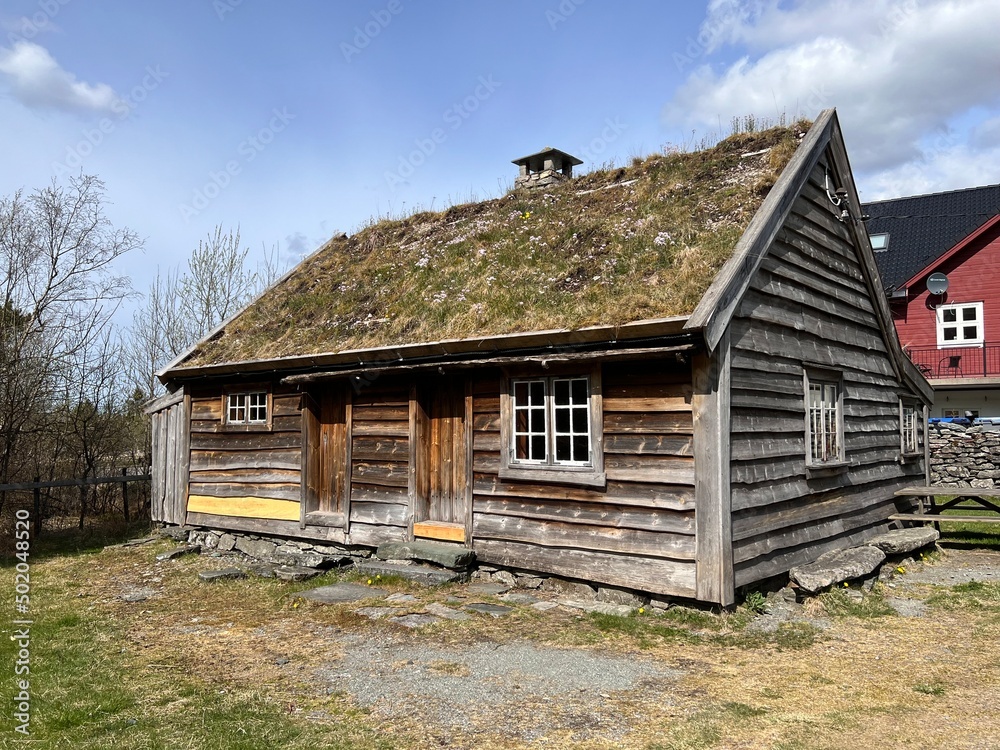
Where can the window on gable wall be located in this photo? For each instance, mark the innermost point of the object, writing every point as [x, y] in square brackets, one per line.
[909, 434]
[960, 325]
[824, 419]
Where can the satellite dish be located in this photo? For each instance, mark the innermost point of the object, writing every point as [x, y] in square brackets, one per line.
[937, 283]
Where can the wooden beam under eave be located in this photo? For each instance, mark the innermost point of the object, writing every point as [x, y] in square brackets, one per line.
[714, 578]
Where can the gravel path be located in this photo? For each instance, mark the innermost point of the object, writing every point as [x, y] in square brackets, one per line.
[473, 687]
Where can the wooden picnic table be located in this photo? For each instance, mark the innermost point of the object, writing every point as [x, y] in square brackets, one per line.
[929, 510]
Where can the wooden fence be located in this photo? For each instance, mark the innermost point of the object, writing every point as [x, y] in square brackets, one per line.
[37, 486]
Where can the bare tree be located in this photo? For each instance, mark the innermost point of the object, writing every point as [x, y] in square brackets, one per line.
[58, 295]
[182, 308]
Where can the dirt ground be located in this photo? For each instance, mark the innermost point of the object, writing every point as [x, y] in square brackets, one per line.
[923, 674]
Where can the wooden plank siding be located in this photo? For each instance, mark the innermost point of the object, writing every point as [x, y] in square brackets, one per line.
[380, 508]
[245, 473]
[809, 303]
[636, 532]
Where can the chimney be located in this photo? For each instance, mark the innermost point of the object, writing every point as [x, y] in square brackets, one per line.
[548, 167]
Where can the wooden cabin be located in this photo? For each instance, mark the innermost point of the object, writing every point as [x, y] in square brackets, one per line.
[679, 377]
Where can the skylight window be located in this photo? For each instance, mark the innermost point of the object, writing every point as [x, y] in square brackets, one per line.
[880, 242]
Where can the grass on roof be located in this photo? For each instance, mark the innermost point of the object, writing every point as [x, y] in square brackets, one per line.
[608, 247]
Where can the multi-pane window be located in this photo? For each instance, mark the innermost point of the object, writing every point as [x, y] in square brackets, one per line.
[825, 435]
[246, 408]
[909, 438]
[960, 325]
[552, 421]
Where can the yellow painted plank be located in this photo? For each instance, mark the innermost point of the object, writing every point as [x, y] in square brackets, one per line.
[449, 532]
[245, 507]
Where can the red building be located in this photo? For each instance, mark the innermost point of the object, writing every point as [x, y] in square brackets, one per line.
[953, 335]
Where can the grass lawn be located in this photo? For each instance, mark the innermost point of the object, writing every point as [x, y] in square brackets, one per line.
[235, 665]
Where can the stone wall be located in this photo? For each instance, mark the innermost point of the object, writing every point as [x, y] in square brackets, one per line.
[964, 456]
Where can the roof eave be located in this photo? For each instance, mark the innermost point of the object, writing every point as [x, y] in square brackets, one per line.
[445, 348]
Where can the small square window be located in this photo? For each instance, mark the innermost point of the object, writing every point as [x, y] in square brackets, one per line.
[960, 324]
[879, 242]
[246, 408]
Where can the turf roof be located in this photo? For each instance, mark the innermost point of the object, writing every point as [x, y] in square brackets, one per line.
[609, 247]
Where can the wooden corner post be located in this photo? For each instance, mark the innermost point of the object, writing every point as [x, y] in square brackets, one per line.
[713, 504]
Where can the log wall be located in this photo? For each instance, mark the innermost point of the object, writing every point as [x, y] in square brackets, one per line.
[638, 532]
[809, 303]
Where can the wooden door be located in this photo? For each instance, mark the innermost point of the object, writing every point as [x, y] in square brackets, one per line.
[442, 506]
[326, 439]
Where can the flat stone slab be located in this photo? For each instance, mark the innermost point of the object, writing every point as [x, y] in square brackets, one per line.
[173, 554]
[447, 613]
[902, 541]
[221, 575]
[377, 613]
[449, 556]
[604, 608]
[415, 621]
[545, 606]
[138, 594]
[488, 589]
[401, 598]
[338, 593]
[495, 610]
[907, 607]
[134, 542]
[261, 570]
[423, 574]
[835, 567]
[519, 598]
[294, 573]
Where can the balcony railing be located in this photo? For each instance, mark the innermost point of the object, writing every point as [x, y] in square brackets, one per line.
[957, 362]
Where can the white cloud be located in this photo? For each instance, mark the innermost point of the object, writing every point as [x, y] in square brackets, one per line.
[896, 71]
[36, 80]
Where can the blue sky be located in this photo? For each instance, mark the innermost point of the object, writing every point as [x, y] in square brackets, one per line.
[297, 120]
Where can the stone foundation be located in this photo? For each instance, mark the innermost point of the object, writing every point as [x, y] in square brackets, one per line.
[964, 456]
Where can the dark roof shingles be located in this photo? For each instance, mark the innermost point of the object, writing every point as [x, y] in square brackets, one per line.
[922, 228]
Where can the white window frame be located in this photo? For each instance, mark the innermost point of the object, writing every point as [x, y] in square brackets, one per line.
[909, 428]
[547, 467]
[250, 408]
[829, 418]
[959, 325]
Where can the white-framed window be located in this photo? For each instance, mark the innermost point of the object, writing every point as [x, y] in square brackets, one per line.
[960, 325]
[551, 421]
[909, 431]
[551, 427]
[880, 242]
[824, 418]
[246, 408]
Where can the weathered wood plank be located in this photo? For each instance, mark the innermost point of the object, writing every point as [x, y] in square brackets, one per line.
[379, 448]
[245, 441]
[649, 468]
[380, 514]
[268, 490]
[653, 495]
[578, 536]
[389, 473]
[278, 425]
[663, 445]
[374, 493]
[381, 429]
[221, 460]
[592, 514]
[287, 529]
[659, 576]
[380, 413]
[236, 476]
[662, 423]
